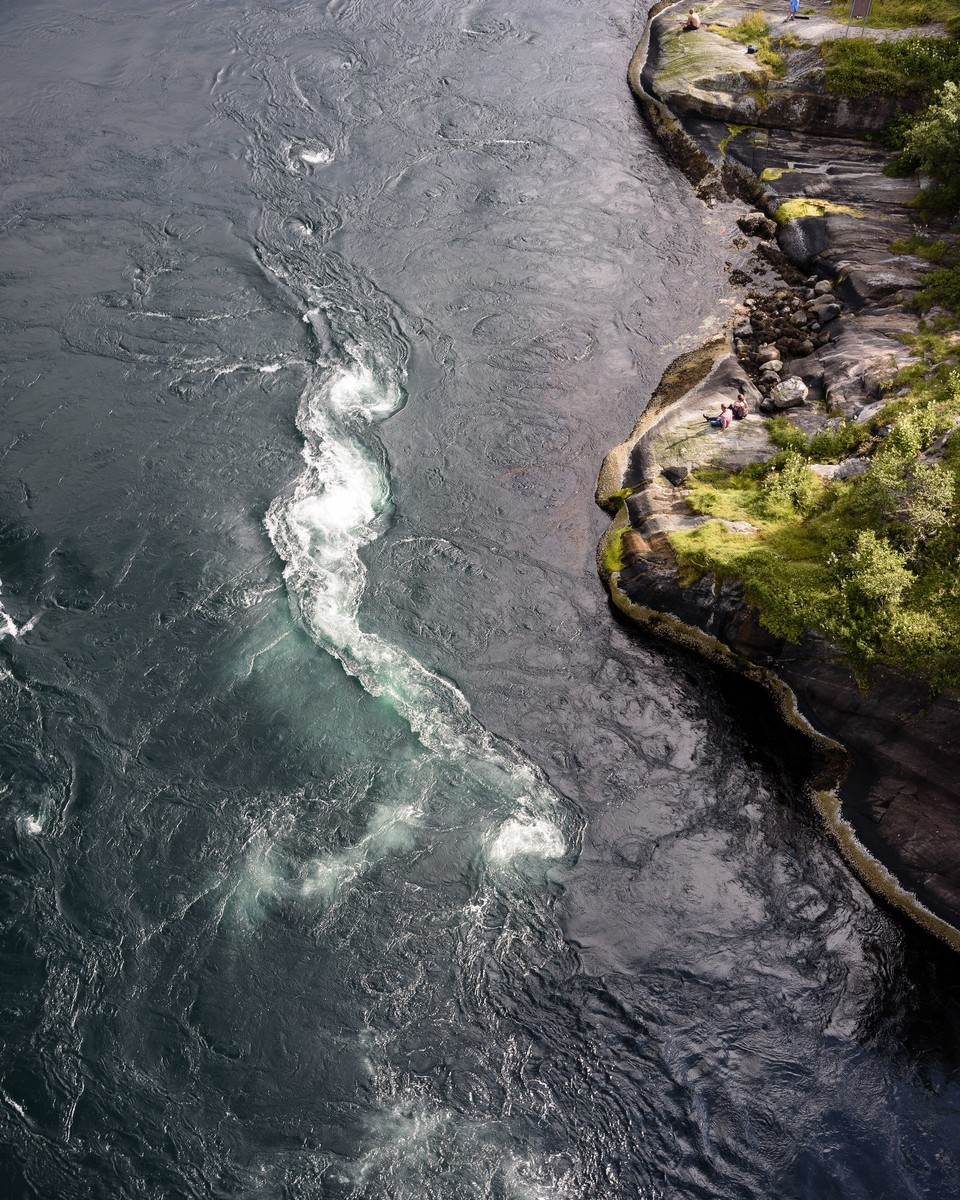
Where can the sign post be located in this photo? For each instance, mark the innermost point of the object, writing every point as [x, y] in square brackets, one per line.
[859, 11]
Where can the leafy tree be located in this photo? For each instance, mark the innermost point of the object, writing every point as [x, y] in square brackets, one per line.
[933, 139]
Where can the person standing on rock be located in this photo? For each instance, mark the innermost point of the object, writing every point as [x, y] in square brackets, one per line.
[725, 419]
[693, 20]
[794, 9]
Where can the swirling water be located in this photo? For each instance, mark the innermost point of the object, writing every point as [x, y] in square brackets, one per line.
[351, 847]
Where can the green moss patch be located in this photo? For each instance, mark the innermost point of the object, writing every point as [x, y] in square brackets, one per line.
[807, 206]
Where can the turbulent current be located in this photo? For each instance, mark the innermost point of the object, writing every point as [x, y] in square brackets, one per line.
[351, 847]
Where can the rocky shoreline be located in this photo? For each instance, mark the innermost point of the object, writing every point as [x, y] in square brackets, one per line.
[816, 334]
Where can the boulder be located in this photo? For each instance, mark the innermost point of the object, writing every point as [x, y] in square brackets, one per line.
[791, 393]
[755, 224]
[676, 474]
[826, 312]
[767, 354]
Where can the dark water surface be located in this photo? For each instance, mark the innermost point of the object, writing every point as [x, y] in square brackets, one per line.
[351, 848]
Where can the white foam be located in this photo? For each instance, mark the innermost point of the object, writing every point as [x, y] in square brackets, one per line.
[340, 503]
[314, 158]
[9, 627]
[532, 838]
[416, 1149]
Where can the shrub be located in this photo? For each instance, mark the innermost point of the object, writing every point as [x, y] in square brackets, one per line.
[875, 576]
[943, 289]
[933, 139]
[791, 487]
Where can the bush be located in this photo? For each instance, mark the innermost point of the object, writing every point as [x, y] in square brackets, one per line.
[933, 139]
[875, 576]
[827, 445]
[943, 289]
[791, 487]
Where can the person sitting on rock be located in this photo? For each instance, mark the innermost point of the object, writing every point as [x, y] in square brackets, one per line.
[739, 408]
[723, 421]
[692, 21]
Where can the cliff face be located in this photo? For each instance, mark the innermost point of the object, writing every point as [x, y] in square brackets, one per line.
[896, 813]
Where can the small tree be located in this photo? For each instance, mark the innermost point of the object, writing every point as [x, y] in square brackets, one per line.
[933, 139]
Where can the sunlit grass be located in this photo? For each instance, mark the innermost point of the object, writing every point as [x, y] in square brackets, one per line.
[902, 14]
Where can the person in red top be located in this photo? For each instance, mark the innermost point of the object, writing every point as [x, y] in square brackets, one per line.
[692, 21]
[724, 421]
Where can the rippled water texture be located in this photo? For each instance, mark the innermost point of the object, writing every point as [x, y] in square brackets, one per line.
[351, 847]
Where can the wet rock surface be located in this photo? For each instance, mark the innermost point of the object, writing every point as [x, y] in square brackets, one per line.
[816, 334]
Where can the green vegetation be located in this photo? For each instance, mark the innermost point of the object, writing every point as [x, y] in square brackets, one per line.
[930, 142]
[903, 14]
[838, 440]
[942, 287]
[921, 246]
[913, 66]
[872, 562]
[754, 30]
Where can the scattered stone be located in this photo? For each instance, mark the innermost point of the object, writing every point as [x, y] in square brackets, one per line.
[801, 319]
[767, 354]
[743, 329]
[676, 474]
[823, 288]
[806, 347]
[773, 364]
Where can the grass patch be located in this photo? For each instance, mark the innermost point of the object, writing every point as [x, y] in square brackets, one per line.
[922, 247]
[754, 31]
[910, 67]
[902, 14]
